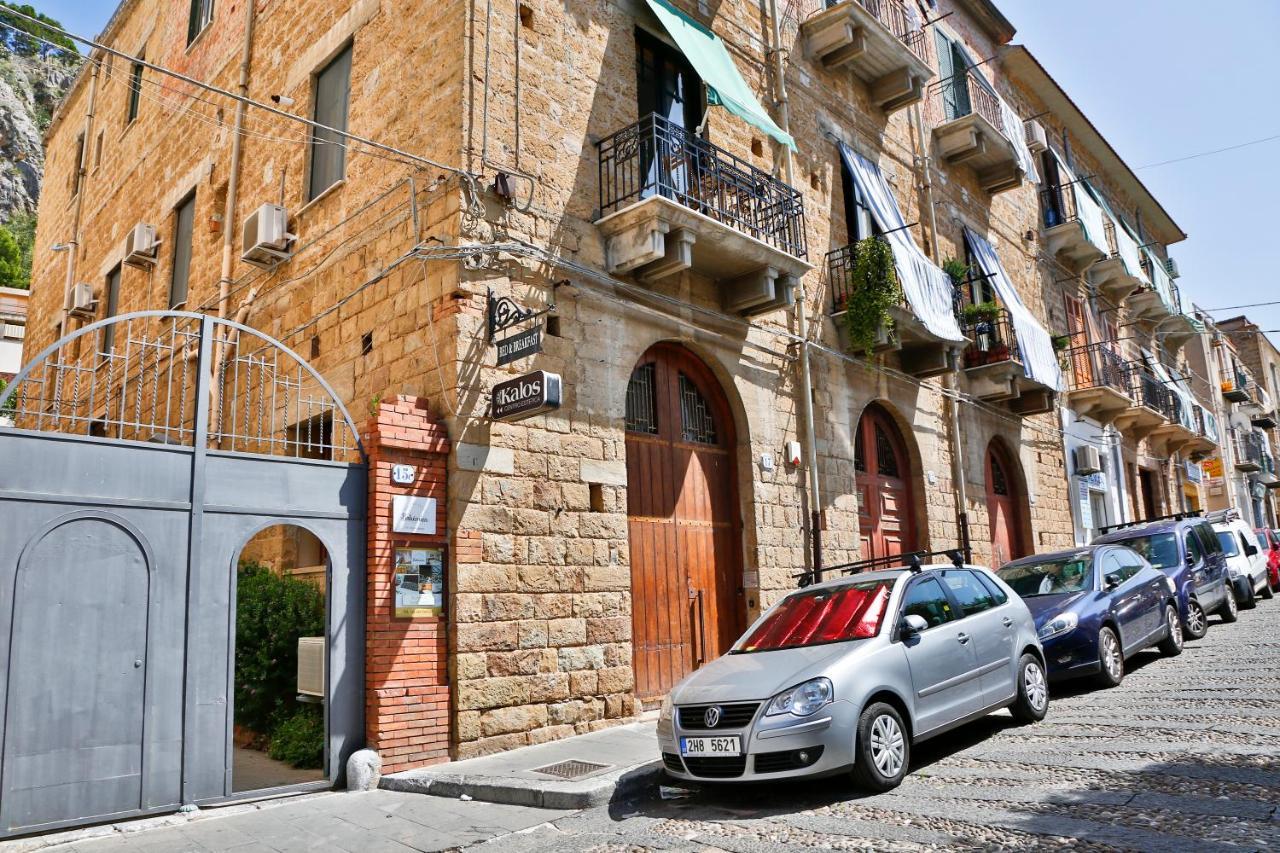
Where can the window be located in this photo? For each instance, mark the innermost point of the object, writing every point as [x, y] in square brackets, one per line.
[1208, 539]
[857, 215]
[953, 65]
[1069, 574]
[1194, 552]
[1159, 549]
[184, 219]
[927, 600]
[75, 166]
[1228, 542]
[113, 305]
[1116, 571]
[970, 592]
[825, 615]
[201, 17]
[135, 89]
[992, 587]
[328, 147]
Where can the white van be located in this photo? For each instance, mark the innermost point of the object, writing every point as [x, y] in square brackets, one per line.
[1246, 558]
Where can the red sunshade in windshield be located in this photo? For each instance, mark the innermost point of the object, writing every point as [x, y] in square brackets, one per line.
[823, 616]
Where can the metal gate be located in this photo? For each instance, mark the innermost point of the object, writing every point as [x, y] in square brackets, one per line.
[146, 450]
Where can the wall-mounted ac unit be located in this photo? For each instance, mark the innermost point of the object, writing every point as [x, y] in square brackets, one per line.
[83, 305]
[1171, 267]
[1088, 460]
[265, 238]
[311, 668]
[141, 246]
[13, 331]
[1037, 139]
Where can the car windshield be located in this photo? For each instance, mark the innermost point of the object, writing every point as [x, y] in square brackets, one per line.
[826, 615]
[1052, 577]
[1228, 540]
[1159, 549]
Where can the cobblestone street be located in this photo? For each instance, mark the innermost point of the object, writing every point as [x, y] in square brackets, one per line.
[1182, 756]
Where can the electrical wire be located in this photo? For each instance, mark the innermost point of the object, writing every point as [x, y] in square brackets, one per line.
[1197, 156]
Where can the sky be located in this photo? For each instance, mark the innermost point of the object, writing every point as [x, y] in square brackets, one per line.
[1161, 79]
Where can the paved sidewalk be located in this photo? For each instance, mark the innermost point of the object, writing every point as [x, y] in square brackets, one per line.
[364, 822]
[623, 762]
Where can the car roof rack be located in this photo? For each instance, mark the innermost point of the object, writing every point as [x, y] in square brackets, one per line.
[1175, 516]
[913, 560]
[1218, 516]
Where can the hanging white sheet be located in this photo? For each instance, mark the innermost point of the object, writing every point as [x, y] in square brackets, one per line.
[1088, 205]
[928, 289]
[1039, 360]
[1174, 381]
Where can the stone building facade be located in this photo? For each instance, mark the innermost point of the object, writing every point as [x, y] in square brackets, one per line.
[598, 551]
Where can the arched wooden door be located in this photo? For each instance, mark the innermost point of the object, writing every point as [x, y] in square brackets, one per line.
[684, 522]
[1004, 507]
[886, 499]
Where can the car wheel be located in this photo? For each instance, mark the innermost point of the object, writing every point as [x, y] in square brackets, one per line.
[1033, 691]
[1267, 593]
[883, 750]
[1197, 624]
[1248, 601]
[1110, 658]
[1171, 645]
[1229, 609]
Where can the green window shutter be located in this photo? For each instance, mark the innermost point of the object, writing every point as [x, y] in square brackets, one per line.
[328, 149]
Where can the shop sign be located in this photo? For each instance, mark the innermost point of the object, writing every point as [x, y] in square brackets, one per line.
[415, 515]
[1193, 473]
[521, 344]
[1086, 506]
[1212, 467]
[525, 396]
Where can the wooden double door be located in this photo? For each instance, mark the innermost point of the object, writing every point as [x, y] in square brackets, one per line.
[1005, 507]
[684, 519]
[886, 497]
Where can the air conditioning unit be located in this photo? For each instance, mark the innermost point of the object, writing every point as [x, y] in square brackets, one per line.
[311, 668]
[1088, 460]
[1037, 139]
[1171, 267]
[265, 237]
[141, 246]
[13, 331]
[83, 305]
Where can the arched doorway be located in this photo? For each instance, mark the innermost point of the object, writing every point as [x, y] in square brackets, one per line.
[684, 522]
[886, 498]
[1004, 506]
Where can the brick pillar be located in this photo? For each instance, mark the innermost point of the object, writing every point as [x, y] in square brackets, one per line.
[406, 672]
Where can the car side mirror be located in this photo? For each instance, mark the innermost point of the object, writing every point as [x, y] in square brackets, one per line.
[1112, 581]
[1250, 550]
[913, 625]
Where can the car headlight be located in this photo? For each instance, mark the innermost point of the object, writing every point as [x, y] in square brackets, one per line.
[1173, 587]
[1059, 625]
[803, 699]
[668, 710]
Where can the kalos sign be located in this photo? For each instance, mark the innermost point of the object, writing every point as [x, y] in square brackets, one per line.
[525, 396]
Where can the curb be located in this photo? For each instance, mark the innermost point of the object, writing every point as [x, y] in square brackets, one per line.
[547, 794]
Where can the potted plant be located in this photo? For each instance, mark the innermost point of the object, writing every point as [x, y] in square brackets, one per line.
[956, 269]
[980, 312]
[873, 290]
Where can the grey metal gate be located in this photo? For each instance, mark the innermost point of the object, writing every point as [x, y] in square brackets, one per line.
[145, 451]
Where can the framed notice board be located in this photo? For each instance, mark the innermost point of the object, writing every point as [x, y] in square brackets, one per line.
[419, 581]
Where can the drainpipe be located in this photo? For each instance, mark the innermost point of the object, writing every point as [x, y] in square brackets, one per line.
[233, 177]
[801, 313]
[73, 245]
[950, 387]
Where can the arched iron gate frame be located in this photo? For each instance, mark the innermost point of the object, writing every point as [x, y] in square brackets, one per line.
[230, 495]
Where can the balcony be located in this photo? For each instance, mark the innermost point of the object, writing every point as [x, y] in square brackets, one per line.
[1235, 387]
[969, 127]
[993, 364]
[1180, 429]
[1065, 234]
[1150, 302]
[1248, 450]
[671, 202]
[1098, 382]
[1112, 276]
[922, 353]
[1260, 410]
[1150, 405]
[878, 42]
[1206, 438]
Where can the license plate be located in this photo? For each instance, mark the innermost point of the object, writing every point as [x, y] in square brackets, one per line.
[698, 746]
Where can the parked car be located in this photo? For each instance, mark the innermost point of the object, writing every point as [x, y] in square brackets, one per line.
[1270, 540]
[1186, 549]
[1246, 560]
[1095, 607]
[848, 674]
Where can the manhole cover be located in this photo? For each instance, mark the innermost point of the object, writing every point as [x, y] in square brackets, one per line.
[572, 769]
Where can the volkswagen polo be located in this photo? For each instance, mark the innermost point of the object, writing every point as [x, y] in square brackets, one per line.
[844, 676]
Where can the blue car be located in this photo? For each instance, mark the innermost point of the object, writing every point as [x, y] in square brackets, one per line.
[1187, 550]
[1096, 606]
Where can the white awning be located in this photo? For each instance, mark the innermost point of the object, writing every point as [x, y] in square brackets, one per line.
[927, 288]
[1174, 381]
[1035, 344]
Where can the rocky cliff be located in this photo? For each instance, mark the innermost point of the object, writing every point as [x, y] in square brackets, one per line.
[30, 88]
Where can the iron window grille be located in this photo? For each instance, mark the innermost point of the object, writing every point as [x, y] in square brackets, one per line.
[656, 157]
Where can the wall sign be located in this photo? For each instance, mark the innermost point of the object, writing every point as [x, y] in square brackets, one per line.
[521, 344]
[403, 475]
[411, 514]
[419, 582]
[525, 396]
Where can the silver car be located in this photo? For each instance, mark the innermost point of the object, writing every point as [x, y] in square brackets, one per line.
[847, 674]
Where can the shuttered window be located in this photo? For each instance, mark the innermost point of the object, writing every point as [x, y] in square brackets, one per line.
[135, 90]
[183, 222]
[113, 305]
[201, 17]
[332, 95]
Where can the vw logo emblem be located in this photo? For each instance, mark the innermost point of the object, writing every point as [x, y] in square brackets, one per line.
[712, 716]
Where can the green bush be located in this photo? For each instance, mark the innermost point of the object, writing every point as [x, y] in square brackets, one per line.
[873, 290]
[299, 738]
[272, 612]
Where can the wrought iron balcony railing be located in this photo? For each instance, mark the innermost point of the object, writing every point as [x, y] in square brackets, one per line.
[840, 264]
[960, 95]
[1058, 205]
[1207, 425]
[1150, 392]
[655, 157]
[1248, 449]
[893, 14]
[1097, 366]
[994, 338]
